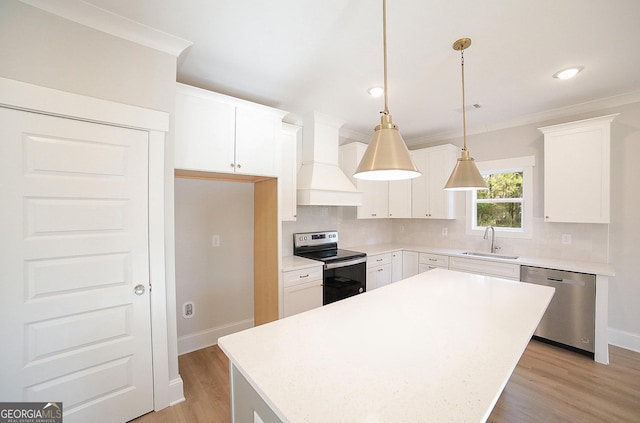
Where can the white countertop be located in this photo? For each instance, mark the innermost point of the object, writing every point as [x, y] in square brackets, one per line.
[290, 263]
[603, 269]
[439, 346]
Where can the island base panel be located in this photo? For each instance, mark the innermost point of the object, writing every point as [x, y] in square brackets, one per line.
[247, 405]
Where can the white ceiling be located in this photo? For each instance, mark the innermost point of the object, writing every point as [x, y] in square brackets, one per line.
[306, 55]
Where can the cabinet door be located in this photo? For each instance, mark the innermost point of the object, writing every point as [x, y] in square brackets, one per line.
[204, 133]
[257, 142]
[375, 199]
[378, 276]
[396, 266]
[577, 190]
[289, 169]
[419, 185]
[429, 200]
[400, 199]
[302, 297]
[441, 164]
[409, 263]
[375, 194]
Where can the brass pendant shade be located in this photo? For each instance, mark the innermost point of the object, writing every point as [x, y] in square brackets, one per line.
[387, 157]
[465, 175]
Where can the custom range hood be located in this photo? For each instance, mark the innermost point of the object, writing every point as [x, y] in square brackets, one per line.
[320, 180]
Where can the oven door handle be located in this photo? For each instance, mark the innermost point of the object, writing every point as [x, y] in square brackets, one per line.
[345, 263]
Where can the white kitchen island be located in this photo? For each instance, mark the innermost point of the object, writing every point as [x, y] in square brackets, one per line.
[437, 347]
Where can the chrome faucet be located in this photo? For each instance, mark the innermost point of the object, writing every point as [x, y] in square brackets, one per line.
[493, 238]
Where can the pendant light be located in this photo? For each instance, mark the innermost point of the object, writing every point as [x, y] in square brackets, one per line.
[387, 157]
[465, 176]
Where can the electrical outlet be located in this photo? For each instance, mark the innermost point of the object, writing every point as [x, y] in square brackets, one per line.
[445, 231]
[566, 239]
[215, 240]
[401, 228]
[188, 309]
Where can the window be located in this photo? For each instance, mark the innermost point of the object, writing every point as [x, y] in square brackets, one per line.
[507, 204]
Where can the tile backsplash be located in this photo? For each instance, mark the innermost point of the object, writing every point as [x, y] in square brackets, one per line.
[351, 231]
[589, 242]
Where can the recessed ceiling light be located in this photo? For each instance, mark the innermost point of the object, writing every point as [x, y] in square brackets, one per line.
[375, 91]
[568, 73]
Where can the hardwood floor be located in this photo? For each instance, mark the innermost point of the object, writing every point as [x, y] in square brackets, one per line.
[548, 385]
[551, 384]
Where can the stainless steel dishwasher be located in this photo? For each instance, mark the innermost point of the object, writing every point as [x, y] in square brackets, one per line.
[570, 317]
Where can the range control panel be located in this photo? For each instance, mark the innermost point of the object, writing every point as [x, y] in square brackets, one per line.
[310, 239]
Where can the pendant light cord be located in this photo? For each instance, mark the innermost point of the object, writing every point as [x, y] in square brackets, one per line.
[384, 46]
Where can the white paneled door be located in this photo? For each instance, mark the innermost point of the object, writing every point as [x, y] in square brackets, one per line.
[74, 231]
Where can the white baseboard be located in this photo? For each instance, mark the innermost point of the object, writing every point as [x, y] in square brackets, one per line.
[209, 337]
[622, 339]
[176, 391]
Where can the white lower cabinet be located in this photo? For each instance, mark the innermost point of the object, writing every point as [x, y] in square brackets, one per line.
[378, 270]
[409, 264]
[485, 267]
[396, 266]
[302, 290]
[430, 261]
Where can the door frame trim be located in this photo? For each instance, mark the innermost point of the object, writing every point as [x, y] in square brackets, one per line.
[33, 98]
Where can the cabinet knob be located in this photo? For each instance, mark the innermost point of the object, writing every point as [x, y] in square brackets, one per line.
[380, 270]
[231, 164]
[239, 166]
[546, 217]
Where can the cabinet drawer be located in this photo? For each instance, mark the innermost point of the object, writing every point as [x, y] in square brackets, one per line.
[434, 260]
[485, 267]
[296, 277]
[378, 260]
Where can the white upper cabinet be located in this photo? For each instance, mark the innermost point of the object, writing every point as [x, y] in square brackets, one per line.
[289, 164]
[429, 200]
[400, 199]
[218, 133]
[375, 194]
[577, 171]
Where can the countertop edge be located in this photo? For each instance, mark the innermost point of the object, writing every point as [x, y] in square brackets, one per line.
[601, 269]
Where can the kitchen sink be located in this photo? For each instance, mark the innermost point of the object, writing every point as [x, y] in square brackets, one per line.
[490, 255]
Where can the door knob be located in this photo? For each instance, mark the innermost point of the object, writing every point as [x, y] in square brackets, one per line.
[139, 289]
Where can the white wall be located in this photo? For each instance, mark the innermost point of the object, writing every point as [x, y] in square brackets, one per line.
[47, 50]
[218, 279]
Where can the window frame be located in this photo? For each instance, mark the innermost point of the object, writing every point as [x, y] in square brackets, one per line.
[517, 164]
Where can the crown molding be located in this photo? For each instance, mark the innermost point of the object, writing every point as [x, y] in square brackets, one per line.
[102, 20]
[589, 106]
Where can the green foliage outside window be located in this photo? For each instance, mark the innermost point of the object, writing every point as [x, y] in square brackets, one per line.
[501, 204]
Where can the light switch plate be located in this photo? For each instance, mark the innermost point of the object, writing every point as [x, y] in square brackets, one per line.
[215, 240]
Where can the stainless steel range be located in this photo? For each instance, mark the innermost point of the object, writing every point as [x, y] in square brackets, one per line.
[344, 271]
